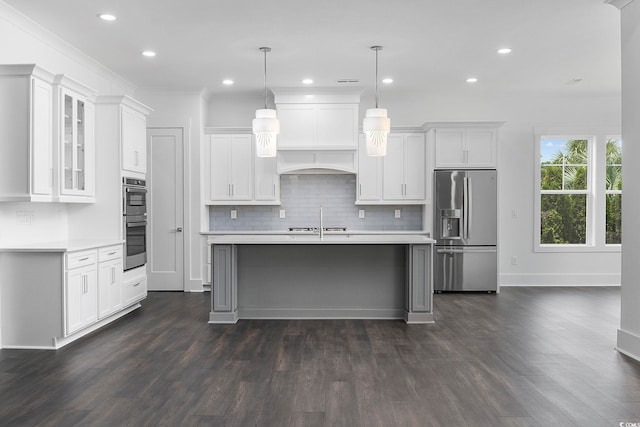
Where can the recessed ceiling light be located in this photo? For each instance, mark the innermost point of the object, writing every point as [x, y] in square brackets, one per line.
[387, 80]
[472, 80]
[149, 53]
[307, 81]
[309, 96]
[504, 50]
[107, 17]
[227, 82]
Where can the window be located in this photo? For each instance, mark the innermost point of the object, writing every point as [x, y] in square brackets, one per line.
[614, 191]
[579, 186]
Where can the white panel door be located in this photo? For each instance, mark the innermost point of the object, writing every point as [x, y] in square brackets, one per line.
[267, 180]
[165, 180]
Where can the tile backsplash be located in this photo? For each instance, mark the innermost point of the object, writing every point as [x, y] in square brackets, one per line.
[301, 197]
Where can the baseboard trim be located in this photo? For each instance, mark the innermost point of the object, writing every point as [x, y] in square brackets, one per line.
[628, 344]
[560, 279]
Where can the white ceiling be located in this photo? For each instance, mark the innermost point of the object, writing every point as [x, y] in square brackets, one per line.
[430, 46]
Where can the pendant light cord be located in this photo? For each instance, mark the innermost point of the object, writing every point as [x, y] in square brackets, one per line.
[376, 49]
[265, 50]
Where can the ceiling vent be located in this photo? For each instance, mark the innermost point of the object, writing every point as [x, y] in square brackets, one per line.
[573, 81]
[342, 81]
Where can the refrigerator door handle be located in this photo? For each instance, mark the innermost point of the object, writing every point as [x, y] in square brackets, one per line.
[465, 207]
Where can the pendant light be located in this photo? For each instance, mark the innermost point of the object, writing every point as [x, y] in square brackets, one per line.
[266, 125]
[376, 124]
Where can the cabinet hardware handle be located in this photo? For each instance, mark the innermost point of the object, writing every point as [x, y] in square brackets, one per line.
[137, 284]
[360, 189]
[113, 275]
[233, 190]
[84, 259]
[112, 253]
[274, 189]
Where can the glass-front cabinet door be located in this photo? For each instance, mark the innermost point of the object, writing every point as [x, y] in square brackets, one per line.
[76, 147]
[74, 159]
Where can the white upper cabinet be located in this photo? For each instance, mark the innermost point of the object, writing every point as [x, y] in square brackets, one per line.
[404, 168]
[74, 135]
[26, 133]
[134, 140]
[369, 174]
[267, 181]
[466, 146]
[397, 178]
[231, 171]
[318, 126]
[233, 175]
[318, 119]
[124, 120]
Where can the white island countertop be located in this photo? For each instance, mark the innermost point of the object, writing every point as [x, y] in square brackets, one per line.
[61, 246]
[310, 238]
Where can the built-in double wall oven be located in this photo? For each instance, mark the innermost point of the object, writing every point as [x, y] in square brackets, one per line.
[134, 195]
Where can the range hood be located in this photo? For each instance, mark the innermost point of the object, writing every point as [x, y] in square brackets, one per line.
[318, 130]
[317, 162]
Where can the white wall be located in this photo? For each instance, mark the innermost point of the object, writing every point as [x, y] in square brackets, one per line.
[184, 109]
[23, 41]
[629, 332]
[522, 113]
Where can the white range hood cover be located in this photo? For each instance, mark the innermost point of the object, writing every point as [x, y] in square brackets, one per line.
[317, 162]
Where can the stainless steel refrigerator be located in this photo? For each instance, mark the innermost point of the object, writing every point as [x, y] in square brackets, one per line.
[465, 230]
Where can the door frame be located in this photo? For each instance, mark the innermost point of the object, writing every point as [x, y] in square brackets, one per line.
[186, 211]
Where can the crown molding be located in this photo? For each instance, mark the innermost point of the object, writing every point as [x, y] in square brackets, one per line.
[618, 3]
[14, 18]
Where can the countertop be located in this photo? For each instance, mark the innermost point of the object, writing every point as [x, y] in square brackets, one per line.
[62, 246]
[310, 238]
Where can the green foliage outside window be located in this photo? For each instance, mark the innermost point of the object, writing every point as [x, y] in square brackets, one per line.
[563, 217]
[564, 186]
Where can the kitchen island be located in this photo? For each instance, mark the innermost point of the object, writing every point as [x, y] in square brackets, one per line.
[341, 275]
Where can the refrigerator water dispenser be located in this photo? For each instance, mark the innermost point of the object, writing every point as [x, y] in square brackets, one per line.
[450, 223]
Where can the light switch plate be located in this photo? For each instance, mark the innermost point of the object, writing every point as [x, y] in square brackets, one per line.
[282, 213]
[360, 213]
[398, 213]
[234, 214]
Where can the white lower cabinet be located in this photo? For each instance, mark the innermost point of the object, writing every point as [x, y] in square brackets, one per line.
[134, 290]
[109, 281]
[51, 297]
[81, 293]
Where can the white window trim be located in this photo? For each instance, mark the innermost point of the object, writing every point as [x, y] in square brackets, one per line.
[595, 239]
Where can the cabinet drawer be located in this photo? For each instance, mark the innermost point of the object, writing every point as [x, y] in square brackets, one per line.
[110, 252]
[81, 259]
[134, 290]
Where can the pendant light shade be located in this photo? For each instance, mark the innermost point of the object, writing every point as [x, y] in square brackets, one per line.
[376, 127]
[376, 124]
[266, 125]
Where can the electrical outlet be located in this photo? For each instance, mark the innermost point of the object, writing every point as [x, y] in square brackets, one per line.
[514, 260]
[24, 217]
[398, 213]
[514, 213]
[234, 214]
[282, 213]
[361, 213]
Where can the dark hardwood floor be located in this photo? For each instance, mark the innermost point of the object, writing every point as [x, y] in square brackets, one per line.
[525, 357]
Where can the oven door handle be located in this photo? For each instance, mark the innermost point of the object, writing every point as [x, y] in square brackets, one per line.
[136, 224]
[136, 190]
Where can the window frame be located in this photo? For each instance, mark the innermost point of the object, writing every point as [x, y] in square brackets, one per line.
[595, 195]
